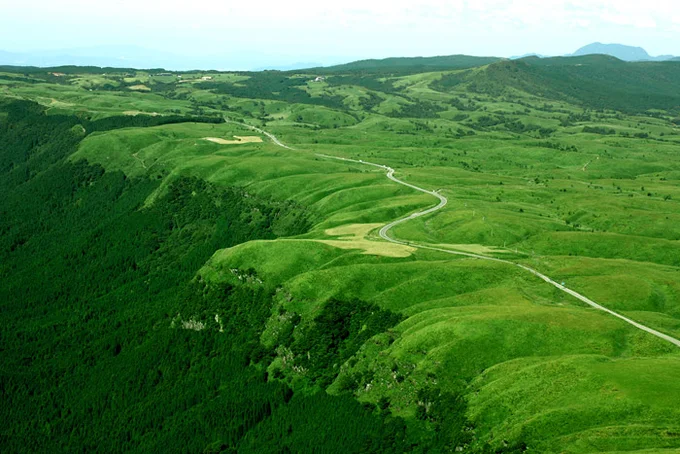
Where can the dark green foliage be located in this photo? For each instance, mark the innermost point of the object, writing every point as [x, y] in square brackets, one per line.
[144, 121]
[518, 127]
[557, 146]
[417, 109]
[272, 85]
[32, 141]
[487, 121]
[515, 448]
[328, 424]
[446, 411]
[599, 130]
[91, 286]
[595, 81]
[25, 80]
[450, 81]
[336, 334]
[367, 81]
[369, 103]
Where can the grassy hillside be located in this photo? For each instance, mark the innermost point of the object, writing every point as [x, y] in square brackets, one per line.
[143, 232]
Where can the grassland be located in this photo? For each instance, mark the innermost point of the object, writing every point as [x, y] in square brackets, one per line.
[586, 194]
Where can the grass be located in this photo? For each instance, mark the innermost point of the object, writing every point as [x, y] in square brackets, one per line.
[581, 403]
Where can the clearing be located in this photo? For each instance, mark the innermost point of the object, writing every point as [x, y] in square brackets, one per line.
[139, 88]
[354, 236]
[239, 140]
[139, 112]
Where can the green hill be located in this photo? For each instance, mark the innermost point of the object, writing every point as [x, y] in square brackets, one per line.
[595, 81]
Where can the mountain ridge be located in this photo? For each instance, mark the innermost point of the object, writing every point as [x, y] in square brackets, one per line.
[140, 57]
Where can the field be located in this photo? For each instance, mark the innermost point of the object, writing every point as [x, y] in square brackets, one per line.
[584, 189]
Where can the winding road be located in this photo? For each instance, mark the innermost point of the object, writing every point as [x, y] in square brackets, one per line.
[384, 233]
[261, 131]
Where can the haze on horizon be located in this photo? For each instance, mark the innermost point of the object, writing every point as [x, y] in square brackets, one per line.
[261, 32]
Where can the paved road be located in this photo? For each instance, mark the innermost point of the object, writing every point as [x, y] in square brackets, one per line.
[384, 233]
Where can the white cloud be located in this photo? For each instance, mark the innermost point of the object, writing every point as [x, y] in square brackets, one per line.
[528, 12]
[385, 26]
[640, 21]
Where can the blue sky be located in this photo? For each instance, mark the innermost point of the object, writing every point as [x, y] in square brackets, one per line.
[332, 31]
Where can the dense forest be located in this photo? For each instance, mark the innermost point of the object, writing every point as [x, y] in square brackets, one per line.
[109, 343]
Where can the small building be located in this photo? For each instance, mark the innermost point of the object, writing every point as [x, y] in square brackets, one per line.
[58, 74]
[319, 79]
[206, 78]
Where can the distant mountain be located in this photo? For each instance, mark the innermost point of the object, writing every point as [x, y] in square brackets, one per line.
[620, 51]
[111, 56]
[139, 57]
[411, 64]
[291, 67]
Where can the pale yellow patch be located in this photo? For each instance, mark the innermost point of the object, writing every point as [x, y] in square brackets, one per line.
[139, 88]
[239, 140]
[57, 103]
[52, 102]
[139, 112]
[354, 236]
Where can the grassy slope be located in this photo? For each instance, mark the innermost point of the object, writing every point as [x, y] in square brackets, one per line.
[542, 368]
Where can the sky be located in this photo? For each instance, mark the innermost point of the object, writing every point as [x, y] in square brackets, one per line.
[256, 32]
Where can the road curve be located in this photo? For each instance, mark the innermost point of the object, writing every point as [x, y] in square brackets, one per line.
[384, 233]
[253, 128]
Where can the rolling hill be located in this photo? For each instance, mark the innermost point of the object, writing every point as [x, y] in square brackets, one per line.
[595, 81]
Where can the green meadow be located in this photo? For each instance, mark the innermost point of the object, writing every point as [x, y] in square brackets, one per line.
[583, 188]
